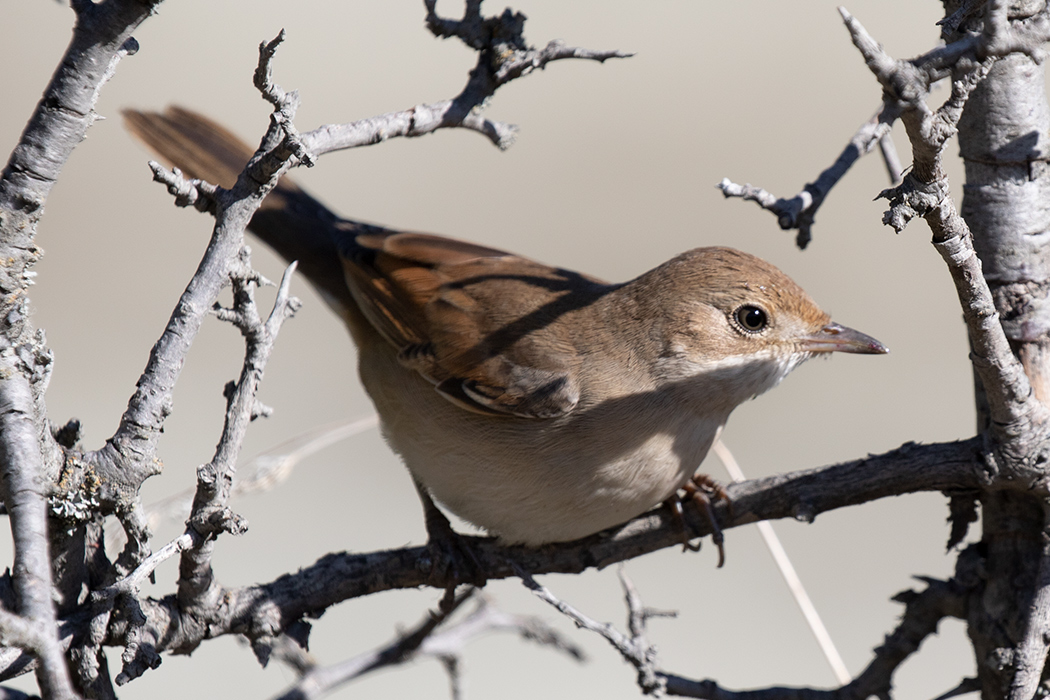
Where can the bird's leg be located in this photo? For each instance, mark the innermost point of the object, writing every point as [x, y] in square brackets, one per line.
[448, 549]
[674, 504]
[701, 489]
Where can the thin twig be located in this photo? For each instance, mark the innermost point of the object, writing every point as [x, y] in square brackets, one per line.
[130, 584]
[323, 679]
[210, 514]
[503, 55]
[635, 650]
[800, 211]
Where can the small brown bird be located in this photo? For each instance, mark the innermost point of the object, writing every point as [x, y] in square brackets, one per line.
[539, 403]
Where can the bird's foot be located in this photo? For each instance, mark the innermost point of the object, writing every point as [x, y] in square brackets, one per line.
[702, 490]
[451, 554]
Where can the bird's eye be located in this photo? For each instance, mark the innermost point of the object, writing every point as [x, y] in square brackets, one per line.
[751, 318]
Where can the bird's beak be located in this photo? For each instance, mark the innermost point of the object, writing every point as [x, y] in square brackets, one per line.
[836, 338]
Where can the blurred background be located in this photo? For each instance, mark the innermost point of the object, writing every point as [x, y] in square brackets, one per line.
[614, 172]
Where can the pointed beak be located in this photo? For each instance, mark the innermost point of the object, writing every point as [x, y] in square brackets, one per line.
[836, 338]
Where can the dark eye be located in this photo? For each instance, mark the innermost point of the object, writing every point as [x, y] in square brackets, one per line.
[751, 318]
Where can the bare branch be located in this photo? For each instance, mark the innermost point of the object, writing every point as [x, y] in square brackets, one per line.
[635, 649]
[800, 211]
[285, 105]
[923, 611]
[101, 39]
[131, 453]
[187, 193]
[487, 617]
[1030, 657]
[503, 55]
[266, 609]
[924, 192]
[130, 584]
[907, 84]
[210, 514]
[320, 680]
[24, 490]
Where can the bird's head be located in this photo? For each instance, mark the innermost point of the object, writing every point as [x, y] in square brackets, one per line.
[739, 325]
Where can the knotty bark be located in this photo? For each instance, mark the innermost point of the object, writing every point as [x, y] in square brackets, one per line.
[1003, 136]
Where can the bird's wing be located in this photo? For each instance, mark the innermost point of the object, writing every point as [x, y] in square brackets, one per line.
[486, 327]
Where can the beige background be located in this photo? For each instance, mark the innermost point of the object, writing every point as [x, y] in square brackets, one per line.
[614, 172]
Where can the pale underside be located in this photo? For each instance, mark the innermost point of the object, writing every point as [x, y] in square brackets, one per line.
[535, 481]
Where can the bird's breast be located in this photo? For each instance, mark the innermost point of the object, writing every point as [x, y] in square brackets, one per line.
[534, 481]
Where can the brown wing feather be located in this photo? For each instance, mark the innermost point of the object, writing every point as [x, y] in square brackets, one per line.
[477, 322]
[463, 316]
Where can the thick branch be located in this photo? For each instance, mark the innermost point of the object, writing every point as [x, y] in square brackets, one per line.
[24, 490]
[1032, 651]
[924, 192]
[265, 610]
[101, 38]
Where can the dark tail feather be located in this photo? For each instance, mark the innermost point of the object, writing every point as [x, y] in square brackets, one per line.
[294, 224]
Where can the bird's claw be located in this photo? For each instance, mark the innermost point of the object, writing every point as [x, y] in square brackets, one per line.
[451, 554]
[702, 490]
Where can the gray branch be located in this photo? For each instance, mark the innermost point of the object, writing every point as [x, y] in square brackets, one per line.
[210, 514]
[1032, 651]
[24, 490]
[635, 649]
[800, 211]
[101, 38]
[906, 82]
[503, 55]
[923, 612]
[443, 642]
[322, 679]
[925, 193]
[263, 611]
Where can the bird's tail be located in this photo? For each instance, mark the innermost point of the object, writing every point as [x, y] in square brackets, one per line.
[293, 223]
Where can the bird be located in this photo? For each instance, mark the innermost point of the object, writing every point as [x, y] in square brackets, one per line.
[540, 404]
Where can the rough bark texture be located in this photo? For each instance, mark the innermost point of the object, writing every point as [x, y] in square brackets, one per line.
[1003, 136]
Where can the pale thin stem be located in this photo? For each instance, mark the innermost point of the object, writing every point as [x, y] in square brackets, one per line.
[790, 576]
[503, 55]
[131, 583]
[268, 469]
